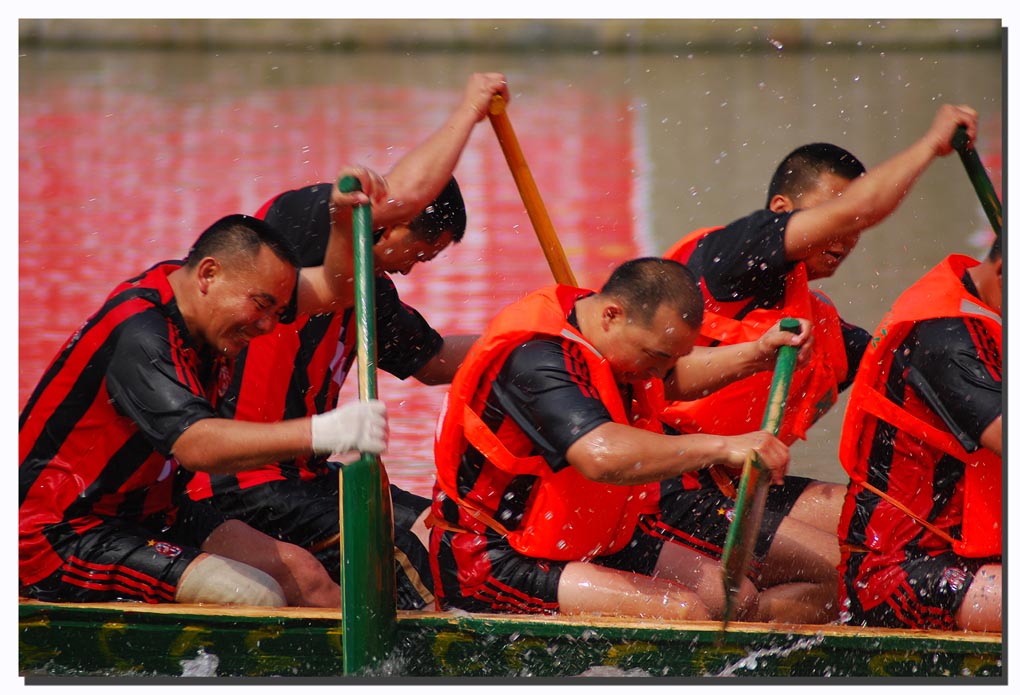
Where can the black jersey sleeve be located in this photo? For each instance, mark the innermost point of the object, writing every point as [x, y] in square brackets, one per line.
[962, 367]
[856, 340]
[549, 396]
[303, 217]
[151, 385]
[745, 259]
[406, 341]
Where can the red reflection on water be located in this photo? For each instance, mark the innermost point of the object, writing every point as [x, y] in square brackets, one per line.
[113, 181]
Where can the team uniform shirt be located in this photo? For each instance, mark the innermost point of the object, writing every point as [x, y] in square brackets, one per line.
[949, 369]
[743, 267]
[97, 434]
[298, 370]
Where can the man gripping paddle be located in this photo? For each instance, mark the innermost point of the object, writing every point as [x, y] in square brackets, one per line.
[752, 272]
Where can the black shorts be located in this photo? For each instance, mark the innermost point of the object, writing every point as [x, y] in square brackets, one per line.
[484, 574]
[920, 592]
[700, 519]
[120, 560]
[307, 513]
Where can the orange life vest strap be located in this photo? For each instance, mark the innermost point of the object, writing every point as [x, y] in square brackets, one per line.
[870, 400]
[489, 445]
[903, 508]
[433, 521]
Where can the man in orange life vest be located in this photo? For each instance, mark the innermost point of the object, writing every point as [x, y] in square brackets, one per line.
[756, 270]
[921, 528]
[549, 451]
[299, 369]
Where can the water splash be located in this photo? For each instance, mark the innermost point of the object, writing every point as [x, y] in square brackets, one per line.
[202, 666]
[750, 662]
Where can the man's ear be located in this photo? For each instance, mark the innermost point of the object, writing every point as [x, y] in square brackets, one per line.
[611, 313]
[207, 272]
[781, 203]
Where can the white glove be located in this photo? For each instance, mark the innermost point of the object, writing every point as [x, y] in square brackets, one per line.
[355, 426]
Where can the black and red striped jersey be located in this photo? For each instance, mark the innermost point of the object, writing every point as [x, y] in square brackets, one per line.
[298, 370]
[947, 371]
[96, 436]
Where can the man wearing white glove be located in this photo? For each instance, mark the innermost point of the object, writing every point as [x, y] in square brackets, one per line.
[132, 398]
[417, 211]
[356, 426]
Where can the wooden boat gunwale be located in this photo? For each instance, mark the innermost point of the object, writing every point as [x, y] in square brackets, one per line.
[122, 638]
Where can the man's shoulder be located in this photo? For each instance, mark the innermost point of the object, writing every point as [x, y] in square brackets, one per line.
[757, 223]
[302, 215]
[541, 354]
[942, 336]
[149, 329]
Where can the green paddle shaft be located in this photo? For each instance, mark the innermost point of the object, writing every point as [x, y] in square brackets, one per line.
[749, 506]
[979, 178]
[366, 515]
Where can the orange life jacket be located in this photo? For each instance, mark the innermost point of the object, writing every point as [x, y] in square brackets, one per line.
[938, 294]
[568, 517]
[740, 407]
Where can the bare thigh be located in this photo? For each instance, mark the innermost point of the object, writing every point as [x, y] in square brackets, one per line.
[704, 576]
[303, 578]
[800, 553]
[586, 588]
[820, 506]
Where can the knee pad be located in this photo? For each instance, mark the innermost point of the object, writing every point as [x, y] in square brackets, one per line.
[216, 579]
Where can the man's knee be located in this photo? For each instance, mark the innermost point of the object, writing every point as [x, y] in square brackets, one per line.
[215, 579]
[981, 610]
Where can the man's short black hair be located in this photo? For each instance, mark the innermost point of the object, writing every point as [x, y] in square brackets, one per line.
[446, 212]
[241, 234]
[799, 171]
[995, 253]
[642, 285]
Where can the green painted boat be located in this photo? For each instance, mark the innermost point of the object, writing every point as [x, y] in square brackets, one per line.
[138, 641]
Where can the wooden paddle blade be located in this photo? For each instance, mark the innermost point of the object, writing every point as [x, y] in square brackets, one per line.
[368, 574]
[749, 507]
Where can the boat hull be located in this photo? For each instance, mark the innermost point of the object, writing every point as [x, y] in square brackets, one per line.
[131, 640]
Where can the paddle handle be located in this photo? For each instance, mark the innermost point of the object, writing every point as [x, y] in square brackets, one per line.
[547, 238]
[364, 291]
[979, 178]
[785, 362]
[368, 581]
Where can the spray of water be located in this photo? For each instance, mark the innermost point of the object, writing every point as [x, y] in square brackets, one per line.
[750, 662]
[202, 666]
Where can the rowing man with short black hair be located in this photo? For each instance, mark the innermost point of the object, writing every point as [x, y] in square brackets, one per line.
[131, 398]
[752, 272]
[299, 369]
